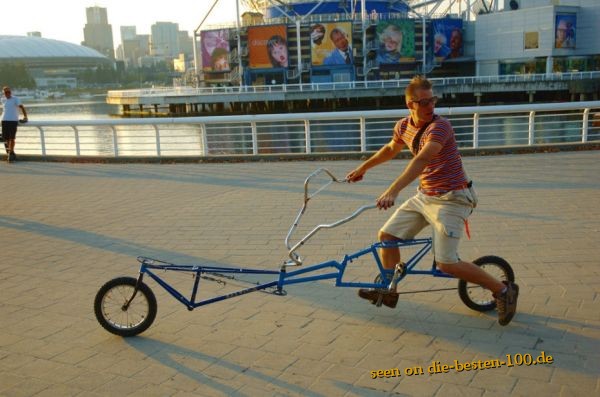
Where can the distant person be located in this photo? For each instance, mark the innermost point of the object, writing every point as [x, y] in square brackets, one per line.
[10, 121]
[278, 51]
[342, 54]
[440, 47]
[391, 45]
[565, 35]
[317, 33]
[219, 60]
[374, 15]
[456, 43]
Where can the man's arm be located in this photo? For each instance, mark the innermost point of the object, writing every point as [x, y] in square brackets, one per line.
[410, 173]
[24, 112]
[387, 152]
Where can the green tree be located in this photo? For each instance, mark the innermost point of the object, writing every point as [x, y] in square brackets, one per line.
[15, 74]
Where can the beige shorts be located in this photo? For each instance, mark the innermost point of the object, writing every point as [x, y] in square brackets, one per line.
[446, 214]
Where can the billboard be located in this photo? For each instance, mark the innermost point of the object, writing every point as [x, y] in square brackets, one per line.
[215, 50]
[267, 47]
[447, 38]
[331, 44]
[395, 41]
[565, 30]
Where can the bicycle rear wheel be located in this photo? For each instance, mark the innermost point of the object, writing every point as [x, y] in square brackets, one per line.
[477, 297]
[116, 316]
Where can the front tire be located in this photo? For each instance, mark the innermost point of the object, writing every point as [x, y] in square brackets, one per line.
[475, 296]
[115, 317]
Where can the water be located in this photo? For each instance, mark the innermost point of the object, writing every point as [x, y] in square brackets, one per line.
[71, 110]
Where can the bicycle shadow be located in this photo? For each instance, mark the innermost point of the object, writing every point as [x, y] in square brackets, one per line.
[163, 353]
[528, 332]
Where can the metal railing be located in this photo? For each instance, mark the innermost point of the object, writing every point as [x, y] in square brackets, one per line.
[304, 133]
[355, 85]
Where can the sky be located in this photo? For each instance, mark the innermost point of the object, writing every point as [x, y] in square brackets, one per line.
[64, 19]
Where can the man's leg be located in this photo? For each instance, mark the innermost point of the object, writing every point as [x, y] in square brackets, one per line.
[389, 256]
[4, 136]
[448, 221]
[473, 274]
[405, 223]
[11, 149]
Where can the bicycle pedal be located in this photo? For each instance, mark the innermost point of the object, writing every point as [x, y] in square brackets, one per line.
[379, 301]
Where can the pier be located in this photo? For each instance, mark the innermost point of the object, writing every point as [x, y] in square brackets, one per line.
[354, 95]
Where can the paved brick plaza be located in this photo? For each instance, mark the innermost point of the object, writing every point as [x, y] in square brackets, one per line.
[65, 229]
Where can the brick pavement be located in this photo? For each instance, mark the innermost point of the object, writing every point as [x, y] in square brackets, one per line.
[65, 229]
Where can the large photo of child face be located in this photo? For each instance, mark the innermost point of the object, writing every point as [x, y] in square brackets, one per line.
[447, 38]
[267, 47]
[215, 50]
[396, 41]
[331, 44]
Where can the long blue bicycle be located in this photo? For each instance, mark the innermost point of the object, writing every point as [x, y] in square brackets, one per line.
[126, 306]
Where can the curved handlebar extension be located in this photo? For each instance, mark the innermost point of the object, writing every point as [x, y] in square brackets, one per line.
[296, 259]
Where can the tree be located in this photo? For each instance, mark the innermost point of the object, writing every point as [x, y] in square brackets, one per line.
[15, 74]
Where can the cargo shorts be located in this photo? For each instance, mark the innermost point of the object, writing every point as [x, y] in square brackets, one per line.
[445, 213]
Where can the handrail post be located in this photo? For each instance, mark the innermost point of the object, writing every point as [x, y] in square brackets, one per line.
[254, 137]
[363, 135]
[157, 131]
[203, 140]
[77, 144]
[475, 130]
[585, 128]
[115, 141]
[42, 140]
[531, 128]
[307, 143]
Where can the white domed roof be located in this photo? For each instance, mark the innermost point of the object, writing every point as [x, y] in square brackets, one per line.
[25, 47]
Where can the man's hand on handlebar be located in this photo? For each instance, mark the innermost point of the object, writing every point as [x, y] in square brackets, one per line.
[386, 200]
[355, 176]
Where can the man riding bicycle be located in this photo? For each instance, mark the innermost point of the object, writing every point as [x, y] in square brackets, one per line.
[444, 199]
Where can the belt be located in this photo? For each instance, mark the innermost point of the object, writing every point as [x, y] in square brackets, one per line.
[460, 187]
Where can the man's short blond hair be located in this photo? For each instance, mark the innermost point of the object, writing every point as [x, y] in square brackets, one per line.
[417, 82]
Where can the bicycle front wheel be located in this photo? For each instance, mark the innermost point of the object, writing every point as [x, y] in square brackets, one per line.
[475, 296]
[119, 317]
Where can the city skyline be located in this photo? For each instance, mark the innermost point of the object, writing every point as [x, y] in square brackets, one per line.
[30, 16]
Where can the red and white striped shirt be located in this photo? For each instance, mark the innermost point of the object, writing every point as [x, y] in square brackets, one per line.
[444, 172]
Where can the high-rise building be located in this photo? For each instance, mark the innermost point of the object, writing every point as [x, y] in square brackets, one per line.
[128, 33]
[186, 44]
[164, 40]
[97, 33]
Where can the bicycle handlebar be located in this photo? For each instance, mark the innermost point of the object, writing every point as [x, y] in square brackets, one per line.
[296, 259]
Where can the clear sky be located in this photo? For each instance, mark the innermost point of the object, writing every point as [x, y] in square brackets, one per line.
[64, 19]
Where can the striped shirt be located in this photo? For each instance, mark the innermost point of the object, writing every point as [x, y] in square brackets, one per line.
[444, 172]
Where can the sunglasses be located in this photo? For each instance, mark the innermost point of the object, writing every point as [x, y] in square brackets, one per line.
[426, 101]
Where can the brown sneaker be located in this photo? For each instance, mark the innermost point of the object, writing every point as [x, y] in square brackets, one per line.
[390, 299]
[506, 303]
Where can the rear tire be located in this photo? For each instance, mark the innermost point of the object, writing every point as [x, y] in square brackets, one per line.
[477, 297]
[114, 317]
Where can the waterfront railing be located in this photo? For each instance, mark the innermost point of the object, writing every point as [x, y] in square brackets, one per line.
[304, 133]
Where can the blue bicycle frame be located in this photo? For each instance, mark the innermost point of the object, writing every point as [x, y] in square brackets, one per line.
[285, 277]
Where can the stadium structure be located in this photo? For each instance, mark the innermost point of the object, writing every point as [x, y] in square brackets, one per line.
[52, 63]
[286, 46]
